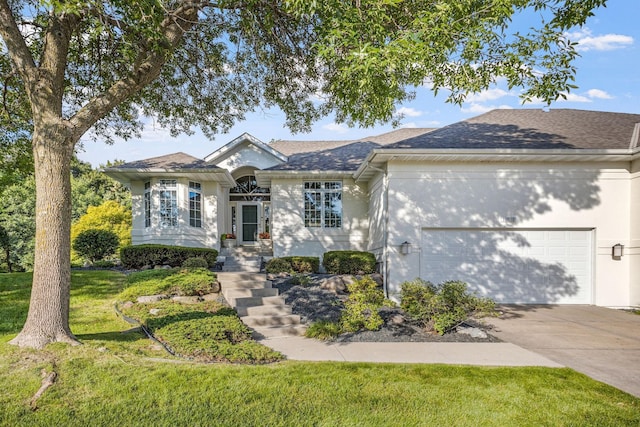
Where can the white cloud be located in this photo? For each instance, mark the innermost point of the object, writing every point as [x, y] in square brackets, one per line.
[487, 95]
[572, 97]
[586, 41]
[479, 109]
[409, 125]
[336, 127]
[407, 112]
[598, 94]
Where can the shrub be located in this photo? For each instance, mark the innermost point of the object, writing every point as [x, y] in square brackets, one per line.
[95, 244]
[206, 331]
[110, 216]
[349, 262]
[293, 264]
[141, 255]
[196, 281]
[173, 281]
[303, 264]
[363, 305]
[195, 262]
[323, 330]
[278, 265]
[299, 279]
[442, 307]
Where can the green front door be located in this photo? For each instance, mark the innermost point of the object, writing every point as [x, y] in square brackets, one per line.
[249, 223]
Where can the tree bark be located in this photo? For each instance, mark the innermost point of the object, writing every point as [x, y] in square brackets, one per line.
[48, 318]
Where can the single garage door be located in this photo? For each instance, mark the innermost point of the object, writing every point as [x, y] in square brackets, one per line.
[513, 266]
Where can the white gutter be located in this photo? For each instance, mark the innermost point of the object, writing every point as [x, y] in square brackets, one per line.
[385, 227]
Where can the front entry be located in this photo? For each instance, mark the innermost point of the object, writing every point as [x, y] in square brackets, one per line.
[249, 223]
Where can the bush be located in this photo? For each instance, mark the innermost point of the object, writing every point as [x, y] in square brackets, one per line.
[196, 262]
[141, 255]
[349, 262]
[293, 264]
[363, 305]
[323, 330]
[173, 281]
[95, 244]
[303, 264]
[278, 265]
[206, 331]
[442, 308]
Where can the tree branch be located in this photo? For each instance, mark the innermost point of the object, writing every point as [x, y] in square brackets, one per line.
[18, 49]
[146, 68]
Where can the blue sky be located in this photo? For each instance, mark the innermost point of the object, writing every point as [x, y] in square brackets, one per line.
[608, 77]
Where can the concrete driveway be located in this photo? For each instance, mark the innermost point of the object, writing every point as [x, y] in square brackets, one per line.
[599, 342]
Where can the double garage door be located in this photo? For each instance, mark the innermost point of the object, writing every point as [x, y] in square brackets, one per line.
[513, 266]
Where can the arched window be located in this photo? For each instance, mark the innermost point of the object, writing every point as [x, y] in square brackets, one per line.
[247, 190]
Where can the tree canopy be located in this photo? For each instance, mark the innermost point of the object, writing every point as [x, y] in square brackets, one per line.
[97, 66]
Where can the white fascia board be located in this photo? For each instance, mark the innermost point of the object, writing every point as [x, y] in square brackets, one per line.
[379, 156]
[245, 137]
[125, 176]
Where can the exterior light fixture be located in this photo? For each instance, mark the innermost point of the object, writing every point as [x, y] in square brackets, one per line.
[617, 250]
[404, 248]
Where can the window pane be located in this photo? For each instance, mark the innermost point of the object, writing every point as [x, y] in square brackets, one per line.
[168, 208]
[147, 204]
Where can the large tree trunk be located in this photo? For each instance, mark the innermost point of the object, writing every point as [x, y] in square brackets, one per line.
[48, 318]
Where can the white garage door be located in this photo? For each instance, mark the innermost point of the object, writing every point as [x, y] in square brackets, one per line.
[513, 266]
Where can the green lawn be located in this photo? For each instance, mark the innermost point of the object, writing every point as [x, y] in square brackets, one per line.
[120, 378]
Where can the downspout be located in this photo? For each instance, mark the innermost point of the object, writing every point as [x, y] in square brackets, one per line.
[385, 226]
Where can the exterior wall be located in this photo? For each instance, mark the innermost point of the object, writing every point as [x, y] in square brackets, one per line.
[183, 234]
[632, 251]
[376, 216]
[505, 195]
[248, 155]
[291, 237]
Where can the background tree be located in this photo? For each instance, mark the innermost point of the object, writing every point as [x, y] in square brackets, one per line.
[110, 216]
[97, 64]
[95, 244]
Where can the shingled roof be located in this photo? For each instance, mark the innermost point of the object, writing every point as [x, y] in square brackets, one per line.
[344, 155]
[170, 161]
[533, 129]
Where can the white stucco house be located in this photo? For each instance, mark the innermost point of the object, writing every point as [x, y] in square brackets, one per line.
[527, 206]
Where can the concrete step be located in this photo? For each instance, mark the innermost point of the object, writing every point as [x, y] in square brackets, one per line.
[254, 301]
[240, 276]
[264, 310]
[245, 284]
[248, 292]
[279, 331]
[268, 321]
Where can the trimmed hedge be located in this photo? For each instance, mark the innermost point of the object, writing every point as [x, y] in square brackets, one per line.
[349, 262]
[293, 264]
[140, 255]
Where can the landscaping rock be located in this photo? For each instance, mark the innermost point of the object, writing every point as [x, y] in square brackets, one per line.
[397, 319]
[151, 298]
[471, 331]
[146, 267]
[127, 304]
[162, 267]
[187, 300]
[377, 277]
[334, 284]
[154, 311]
[211, 297]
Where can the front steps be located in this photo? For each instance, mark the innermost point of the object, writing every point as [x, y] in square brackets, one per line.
[244, 258]
[259, 305]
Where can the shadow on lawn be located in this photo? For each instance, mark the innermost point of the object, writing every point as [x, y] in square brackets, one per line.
[130, 335]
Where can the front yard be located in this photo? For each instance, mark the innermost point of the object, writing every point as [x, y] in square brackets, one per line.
[118, 377]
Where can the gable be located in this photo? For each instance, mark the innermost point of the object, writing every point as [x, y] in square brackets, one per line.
[245, 151]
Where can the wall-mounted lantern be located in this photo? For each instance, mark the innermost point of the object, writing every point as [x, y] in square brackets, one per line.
[617, 251]
[405, 248]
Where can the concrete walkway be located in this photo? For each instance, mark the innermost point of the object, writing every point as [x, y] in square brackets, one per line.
[599, 342]
[485, 354]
